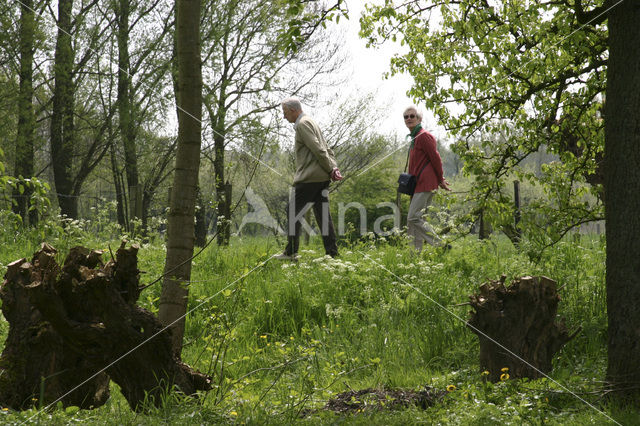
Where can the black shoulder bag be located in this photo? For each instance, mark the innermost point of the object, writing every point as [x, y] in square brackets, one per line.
[407, 182]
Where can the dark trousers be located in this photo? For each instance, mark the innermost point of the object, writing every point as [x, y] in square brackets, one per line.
[316, 195]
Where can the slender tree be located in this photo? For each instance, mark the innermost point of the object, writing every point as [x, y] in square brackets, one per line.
[180, 227]
[127, 129]
[24, 156]
[62, 117]
[144, 61]
[78, 130]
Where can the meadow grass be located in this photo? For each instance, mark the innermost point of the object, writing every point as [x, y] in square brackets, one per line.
[281, 339]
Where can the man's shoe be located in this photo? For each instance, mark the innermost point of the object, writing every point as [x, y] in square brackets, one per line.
[284, 256]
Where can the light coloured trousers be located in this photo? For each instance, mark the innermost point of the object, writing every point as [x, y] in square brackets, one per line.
[416, 225]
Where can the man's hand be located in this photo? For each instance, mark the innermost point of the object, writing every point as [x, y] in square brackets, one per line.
[335, 174]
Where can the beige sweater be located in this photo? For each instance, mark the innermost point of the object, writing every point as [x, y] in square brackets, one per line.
[314, 158]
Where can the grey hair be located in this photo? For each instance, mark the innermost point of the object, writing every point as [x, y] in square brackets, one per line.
[416, 109]
[292, 104]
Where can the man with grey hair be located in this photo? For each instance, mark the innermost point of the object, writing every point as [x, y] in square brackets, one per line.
[424, 163]
[316, 167]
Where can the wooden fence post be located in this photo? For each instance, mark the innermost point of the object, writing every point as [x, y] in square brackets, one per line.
[516, 197]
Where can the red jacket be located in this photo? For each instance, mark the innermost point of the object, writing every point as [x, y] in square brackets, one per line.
[424, 149]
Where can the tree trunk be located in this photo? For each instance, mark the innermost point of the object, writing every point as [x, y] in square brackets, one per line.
[118, 185]
[157, 177]
[144, 216]
[127, 129]
[180, 226]
[622, 204]
[26, 115]
[201, 222]
[483, 228]
[223, 189]
[62, 115]
[520, 318]
[224, 209]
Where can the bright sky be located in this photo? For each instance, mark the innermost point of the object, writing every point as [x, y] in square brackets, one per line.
[368, 65]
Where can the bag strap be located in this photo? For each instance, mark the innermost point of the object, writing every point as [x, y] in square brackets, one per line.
[421, 170]
[407, 163]
[413, 138]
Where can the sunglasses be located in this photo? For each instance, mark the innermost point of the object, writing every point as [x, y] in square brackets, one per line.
[409, 116]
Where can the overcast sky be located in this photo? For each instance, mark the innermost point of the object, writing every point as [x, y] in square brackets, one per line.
[368, 65]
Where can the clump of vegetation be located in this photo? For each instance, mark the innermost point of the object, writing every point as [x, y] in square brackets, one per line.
[282, 339]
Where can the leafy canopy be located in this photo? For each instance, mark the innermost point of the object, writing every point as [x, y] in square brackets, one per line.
[305, 17]
[508, 79]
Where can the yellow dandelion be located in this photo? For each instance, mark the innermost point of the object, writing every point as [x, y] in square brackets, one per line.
[5, 409]
[451, 388]
[504, 369]
[234, 413]
[264, 336]
[504, 376]
[485, 373]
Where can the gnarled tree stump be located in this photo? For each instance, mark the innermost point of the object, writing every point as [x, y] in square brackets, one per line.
[91, 310]
[522, 319]
[37, 366]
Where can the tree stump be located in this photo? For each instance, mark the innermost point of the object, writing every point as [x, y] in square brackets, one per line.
[91, 308]
[37, 366]
[522, 319]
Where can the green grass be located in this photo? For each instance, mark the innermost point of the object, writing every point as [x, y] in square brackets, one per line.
[287, 337]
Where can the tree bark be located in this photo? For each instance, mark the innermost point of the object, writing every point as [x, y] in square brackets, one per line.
[125, 113]
[37, 366]
[622, 204]
[158, 175]
[26, 115]
[89, 309]
[118, 185]
[224, 193]
[223, 189]
[201, 222]
[180, 226]
[62, 140]
[520, 318]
